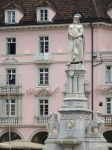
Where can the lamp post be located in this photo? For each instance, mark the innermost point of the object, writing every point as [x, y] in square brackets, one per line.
[9, 110]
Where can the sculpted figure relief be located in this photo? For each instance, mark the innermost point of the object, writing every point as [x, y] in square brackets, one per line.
[76, 42]
[53, 124]
[96, 123]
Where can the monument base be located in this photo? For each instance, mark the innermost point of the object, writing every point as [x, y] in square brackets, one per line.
[90, 142]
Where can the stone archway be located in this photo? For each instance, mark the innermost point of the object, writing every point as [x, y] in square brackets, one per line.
[108, 136]
[5, 137]
[39, 136]
[15, 134]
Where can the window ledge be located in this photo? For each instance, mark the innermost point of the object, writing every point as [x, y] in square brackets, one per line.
[7, 23]
[43, 21]
[44, 86]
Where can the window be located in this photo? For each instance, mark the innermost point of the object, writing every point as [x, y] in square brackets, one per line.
[43, 107]
[44, 45]
[11, 16]
[11, 46]
[44, 76]
[12, 76]
[109, 106]
[44, 15]
[10, 104]
[108, 74]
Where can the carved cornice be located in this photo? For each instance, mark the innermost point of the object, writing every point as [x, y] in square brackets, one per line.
[10, 60]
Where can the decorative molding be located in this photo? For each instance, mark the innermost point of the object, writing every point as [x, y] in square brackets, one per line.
[10, 60]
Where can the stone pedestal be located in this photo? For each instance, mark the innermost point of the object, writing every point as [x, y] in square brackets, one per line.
[75, 117]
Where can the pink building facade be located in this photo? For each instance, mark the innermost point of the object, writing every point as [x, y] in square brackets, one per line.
[35, 56]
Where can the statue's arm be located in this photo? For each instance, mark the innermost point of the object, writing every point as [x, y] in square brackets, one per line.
[81, 33]
[70, 34]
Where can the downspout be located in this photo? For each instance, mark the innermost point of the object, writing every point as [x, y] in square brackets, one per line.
[91, 67]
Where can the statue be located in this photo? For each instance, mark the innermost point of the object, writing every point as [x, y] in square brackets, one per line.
[76, 42]
[96, 123]
[53, 124]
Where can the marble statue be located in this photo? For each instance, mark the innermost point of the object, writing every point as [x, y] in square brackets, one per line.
[75, 131]
[53, 124]
[76, 42]
[96, 123]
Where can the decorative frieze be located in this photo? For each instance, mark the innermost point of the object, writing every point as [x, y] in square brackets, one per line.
[74, 115]
[10, 60]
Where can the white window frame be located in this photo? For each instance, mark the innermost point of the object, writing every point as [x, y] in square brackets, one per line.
[7, 16]
[38, 75]
[44, 107]
[5, 73]
[10, 107]
[38, 42]
[105, 103]
[38, 105]
[6, 47]
[43, 8]
[44, 53]
[44, 72]
[10, 43]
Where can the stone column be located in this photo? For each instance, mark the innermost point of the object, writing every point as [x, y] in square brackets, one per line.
[1, 106]
[70, 84]
[67, 83]
[80, 83]
[70, 81]
[1, 83]
[75, 77]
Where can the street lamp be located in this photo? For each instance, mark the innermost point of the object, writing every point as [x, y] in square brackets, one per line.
[9, 109]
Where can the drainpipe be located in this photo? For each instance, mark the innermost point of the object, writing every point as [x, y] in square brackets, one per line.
[91, 66]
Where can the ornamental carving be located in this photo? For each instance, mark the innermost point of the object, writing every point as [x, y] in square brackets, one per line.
[81, 115]
[53, 124]
[96, 123]
[10, 60]
[79, 105]
[70, 124]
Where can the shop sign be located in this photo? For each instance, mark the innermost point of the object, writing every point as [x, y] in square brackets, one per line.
[101, 90]
[41, 92]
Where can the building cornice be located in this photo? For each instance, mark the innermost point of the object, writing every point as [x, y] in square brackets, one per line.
[52, 26]
[35, 27]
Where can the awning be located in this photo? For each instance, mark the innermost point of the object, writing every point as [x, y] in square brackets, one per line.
[109, 145]
[2, 145]
[20, 144]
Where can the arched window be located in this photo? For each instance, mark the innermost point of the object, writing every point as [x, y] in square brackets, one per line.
[5, 137]
[108, 137]
[40, 137]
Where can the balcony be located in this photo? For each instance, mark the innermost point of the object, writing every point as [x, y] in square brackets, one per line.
[41, 120]
[13, 89]
[107, 119]
[4, 121]
[42, 58]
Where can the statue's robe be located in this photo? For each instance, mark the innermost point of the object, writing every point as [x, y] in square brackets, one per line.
[76, 44]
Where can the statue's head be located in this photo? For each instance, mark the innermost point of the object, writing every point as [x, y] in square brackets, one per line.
[76, 19]
[98, 113]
